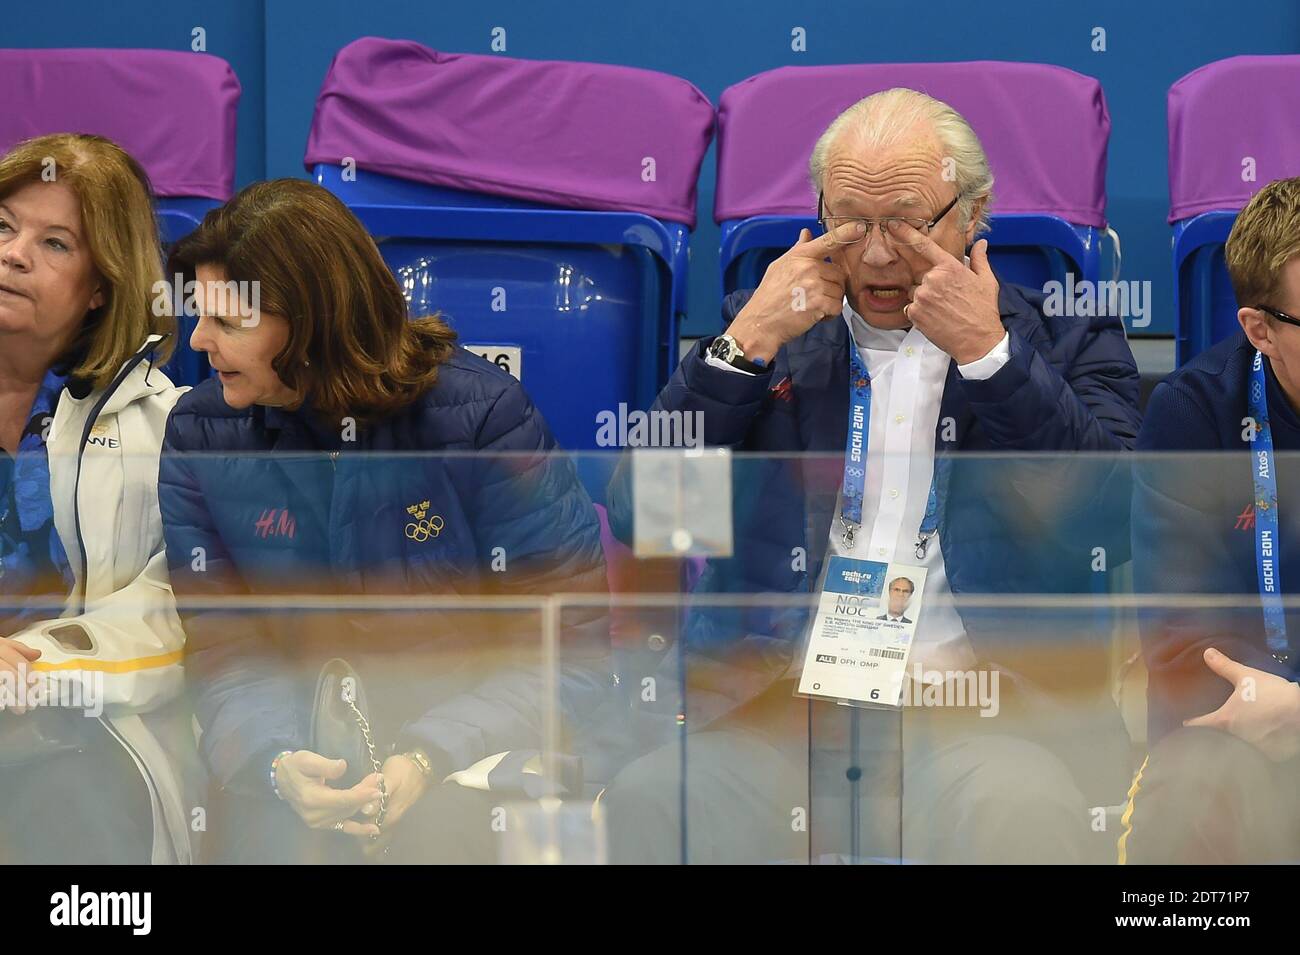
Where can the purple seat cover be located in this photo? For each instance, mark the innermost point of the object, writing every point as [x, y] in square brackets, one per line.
[174, 112]
[566, 134]
[1221, 115]
[1044, 128]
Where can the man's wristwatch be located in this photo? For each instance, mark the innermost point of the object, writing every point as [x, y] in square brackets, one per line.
[724, 348]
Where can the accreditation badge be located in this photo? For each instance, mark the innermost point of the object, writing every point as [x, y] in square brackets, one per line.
[863, 631]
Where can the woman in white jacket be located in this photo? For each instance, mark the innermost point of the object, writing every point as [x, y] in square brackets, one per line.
[97, 755]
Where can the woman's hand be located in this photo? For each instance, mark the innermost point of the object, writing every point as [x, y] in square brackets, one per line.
[302, 779]
[406, 784]
[15, 657]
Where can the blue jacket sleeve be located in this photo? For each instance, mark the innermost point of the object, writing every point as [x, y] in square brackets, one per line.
[1089, 403]
[242, 696]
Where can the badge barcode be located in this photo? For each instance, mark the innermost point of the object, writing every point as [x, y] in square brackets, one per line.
[891, 654]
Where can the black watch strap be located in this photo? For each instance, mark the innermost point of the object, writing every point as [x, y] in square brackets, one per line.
[724, 348]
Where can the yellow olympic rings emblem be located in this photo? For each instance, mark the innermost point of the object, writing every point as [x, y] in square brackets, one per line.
[421, 531]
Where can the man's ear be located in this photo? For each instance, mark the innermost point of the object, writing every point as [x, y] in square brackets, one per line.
[1258, 329]
[972, 226]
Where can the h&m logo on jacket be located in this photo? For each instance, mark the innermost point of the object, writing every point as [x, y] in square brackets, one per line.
[275, 522]
[1246, 519]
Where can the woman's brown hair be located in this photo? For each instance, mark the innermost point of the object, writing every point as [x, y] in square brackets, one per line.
[121, 233]
[352, 348]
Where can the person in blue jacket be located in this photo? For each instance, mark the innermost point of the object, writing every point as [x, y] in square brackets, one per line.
[1220, 523]
[343, 454]
[956, 362]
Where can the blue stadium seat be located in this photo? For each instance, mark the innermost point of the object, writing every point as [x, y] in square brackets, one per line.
[1204, 303]
[1219, 156]
[178, 216]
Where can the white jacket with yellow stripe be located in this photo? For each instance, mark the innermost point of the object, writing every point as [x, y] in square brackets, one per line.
[103, 453]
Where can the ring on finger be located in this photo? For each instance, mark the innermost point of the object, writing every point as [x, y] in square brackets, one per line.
[338, 827]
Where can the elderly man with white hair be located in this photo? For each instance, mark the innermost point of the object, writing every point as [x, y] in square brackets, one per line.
[885, 341]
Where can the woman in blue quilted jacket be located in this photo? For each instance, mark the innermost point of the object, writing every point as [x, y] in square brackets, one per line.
[347, 477]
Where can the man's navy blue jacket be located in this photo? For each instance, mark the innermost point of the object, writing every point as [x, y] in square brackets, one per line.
[1194, 530]
[1011, 524]
[254, 504]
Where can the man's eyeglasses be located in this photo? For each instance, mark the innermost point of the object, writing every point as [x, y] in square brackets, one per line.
[1279, 315]
[920, 224]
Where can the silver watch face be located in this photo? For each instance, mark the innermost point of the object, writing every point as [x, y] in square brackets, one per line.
[722, 347]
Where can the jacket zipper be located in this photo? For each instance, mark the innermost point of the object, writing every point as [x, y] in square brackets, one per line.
[82, 559]
[150, 785]
[104, 721]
